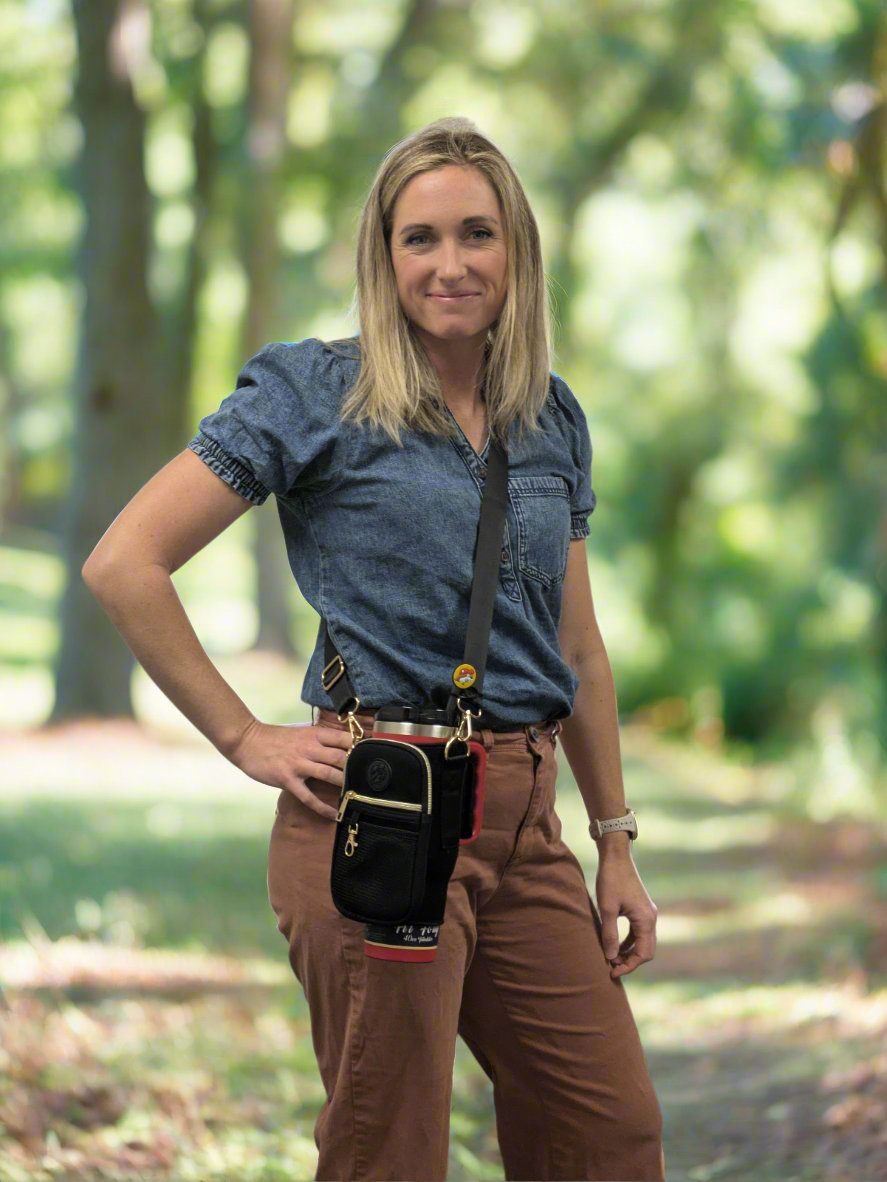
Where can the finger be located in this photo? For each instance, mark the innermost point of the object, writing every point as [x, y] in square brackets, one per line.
[622, 955]
[642, 936]
[631, 955]
[621, 967]
[323, 810]
[620, 970]
[329, 756]
[642, 949]
[330, 737]
[322, 771]
[315, 804]
[643, 942]
[609, 935]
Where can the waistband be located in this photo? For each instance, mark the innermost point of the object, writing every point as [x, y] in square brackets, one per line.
[503, 731]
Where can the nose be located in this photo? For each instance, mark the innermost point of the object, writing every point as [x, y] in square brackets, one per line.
[450, 265]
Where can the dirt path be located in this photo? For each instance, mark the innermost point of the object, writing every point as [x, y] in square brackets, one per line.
[764, 1012]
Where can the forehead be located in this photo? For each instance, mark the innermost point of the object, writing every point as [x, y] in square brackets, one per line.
[443, 190]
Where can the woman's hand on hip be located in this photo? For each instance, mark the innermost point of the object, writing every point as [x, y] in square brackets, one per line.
[286, 756]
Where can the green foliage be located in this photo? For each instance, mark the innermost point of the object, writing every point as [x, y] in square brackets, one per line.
[709, 185]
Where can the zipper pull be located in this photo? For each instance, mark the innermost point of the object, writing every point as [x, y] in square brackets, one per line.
[342, 804]
[351, 843]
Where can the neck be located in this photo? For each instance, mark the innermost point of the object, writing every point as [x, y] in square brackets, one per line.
[458, 366]
[467, 403]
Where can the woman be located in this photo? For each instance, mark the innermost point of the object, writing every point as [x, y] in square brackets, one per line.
[375, 450]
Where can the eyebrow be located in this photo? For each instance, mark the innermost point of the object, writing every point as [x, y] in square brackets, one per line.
[478, 217]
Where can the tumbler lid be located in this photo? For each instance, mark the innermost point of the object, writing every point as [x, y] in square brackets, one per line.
[397, 712]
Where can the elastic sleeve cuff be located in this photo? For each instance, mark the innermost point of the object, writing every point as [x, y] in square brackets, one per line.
[231, 470]
[579, 527]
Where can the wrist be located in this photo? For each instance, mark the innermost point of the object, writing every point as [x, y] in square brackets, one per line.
[616, 844]
[229, 745]
[618, 831]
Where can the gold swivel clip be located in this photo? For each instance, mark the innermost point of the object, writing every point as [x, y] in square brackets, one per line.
[351, 843]
[463, 730]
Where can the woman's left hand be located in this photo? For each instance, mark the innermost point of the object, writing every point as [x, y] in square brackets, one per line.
[620, 892]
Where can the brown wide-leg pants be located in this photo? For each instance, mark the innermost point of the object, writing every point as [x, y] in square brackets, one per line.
[520, 974]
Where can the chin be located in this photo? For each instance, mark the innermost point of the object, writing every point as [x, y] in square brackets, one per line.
[451, 331]
[452, 328]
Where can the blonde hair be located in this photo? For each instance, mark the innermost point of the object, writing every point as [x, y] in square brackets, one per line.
[397, 385]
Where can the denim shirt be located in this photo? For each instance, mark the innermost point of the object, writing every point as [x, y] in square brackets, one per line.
[380, 539]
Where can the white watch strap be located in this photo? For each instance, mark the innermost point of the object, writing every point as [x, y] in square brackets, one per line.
[598, 828]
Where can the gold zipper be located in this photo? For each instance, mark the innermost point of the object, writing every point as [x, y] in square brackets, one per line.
[374, 800]
[391, 804]
[402, 804]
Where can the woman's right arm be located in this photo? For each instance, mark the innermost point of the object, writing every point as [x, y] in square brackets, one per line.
[180, 510]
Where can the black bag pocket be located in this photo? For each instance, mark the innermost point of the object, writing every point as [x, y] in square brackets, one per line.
[380, 852]
[379, 865]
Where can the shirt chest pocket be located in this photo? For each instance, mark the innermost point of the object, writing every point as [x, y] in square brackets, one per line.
[542, 512]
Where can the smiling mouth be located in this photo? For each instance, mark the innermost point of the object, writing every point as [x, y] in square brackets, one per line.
[454, 298]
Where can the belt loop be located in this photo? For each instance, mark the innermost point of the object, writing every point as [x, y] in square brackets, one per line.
[484, 735]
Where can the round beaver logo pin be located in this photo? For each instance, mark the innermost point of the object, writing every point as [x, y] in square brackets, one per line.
[464, 676]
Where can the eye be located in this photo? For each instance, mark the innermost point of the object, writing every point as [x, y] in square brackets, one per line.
[477, 230]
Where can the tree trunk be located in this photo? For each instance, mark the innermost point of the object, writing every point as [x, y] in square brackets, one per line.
[271, 35]
[117, 443]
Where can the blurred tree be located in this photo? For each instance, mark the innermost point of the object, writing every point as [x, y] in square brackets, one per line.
[271, 69]
[118, 395]
[698, 172]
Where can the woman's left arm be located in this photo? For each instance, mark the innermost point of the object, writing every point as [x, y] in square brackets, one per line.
[590, 739]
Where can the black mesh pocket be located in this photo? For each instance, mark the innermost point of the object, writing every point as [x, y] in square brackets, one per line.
[382, 879]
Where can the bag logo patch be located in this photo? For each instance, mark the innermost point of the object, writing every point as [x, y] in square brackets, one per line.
[379, 775]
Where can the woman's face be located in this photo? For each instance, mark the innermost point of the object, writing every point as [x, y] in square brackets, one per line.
[447, 236]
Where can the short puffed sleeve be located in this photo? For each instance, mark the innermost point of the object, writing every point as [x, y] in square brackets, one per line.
[279, 431]
[575, 426]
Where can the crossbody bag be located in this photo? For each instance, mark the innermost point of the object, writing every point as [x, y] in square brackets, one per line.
[413, 788]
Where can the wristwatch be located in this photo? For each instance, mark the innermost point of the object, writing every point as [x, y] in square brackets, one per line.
[598, 828]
